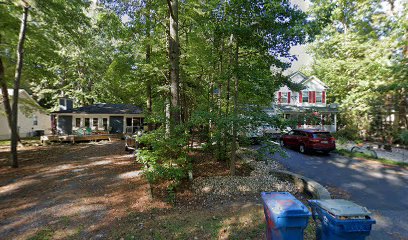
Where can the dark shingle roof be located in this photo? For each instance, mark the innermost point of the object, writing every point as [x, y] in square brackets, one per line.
[105, 108]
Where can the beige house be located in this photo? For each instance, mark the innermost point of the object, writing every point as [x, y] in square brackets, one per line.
[33, 120]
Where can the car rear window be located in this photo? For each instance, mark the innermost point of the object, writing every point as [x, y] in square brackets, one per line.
[322, 135]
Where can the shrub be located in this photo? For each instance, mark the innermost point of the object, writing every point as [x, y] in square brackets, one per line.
[404, 137]
[164, 157]
[348, 132]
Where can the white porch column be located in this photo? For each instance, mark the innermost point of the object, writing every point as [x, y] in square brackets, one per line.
[335, 122]
[321, 121]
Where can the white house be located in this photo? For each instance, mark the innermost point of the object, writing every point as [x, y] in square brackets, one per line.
[308, 107]
[32, 118]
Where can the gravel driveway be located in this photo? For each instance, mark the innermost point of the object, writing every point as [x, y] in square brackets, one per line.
[382, 189]
[71, 191]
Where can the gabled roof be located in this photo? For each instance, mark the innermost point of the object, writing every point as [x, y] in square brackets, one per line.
[306, 79]
[105, 108]
[297, 73]
[314, 78]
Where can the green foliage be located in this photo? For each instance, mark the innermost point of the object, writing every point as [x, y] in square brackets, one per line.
[164, 157]
[404, 137]
[360, 55]
[44, 234]
[349, 133]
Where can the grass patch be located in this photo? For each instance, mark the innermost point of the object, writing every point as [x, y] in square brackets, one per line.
[27, 140]
[245, 222]
[347, 153]
[235, 223]
[44, 234]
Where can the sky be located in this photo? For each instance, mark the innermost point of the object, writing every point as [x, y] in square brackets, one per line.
[304, 59]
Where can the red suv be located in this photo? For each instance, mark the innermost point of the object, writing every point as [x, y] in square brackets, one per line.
[309, 139]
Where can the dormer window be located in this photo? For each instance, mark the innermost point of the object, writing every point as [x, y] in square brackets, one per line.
[305, 96]
[319, 97]
[284, 98]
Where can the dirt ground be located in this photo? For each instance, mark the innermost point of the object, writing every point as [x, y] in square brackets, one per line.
[96, 191]
[69, 191]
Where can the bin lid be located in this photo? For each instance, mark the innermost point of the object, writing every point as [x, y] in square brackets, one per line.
[343, 208]
[286, 207]
[277, 195]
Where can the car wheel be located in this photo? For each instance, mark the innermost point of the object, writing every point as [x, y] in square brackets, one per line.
[302, 148]
[282, 143]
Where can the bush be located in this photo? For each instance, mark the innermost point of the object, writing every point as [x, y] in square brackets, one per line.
[347, 133]
[404, 137]
[164, 157]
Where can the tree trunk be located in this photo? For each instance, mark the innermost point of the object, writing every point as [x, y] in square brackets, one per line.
[4, 89]
[167, 114]
[6, 97]
[174, 56]
[148, 60]
[234, 146]
[19, 68]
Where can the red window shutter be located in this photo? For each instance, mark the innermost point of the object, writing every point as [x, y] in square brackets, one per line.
[288, 97]
[300, 97]
[323, 97]
[310, 96]
[314, 97]
[279, 97]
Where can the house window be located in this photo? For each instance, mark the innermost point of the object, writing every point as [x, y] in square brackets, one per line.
[305, 96]
[136, 122]
[95, 122]
[87, 122]
[284, 97]
[35, 120]
[105, 123]
[319, 97]
[77, 122]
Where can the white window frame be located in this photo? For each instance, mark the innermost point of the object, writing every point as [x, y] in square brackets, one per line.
[80, 122]
[319, 95]
[284, 97]
[305, 94]
[35, 120]
[93, 122]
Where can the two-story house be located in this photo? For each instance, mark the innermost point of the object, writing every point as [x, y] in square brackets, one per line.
[308, 108]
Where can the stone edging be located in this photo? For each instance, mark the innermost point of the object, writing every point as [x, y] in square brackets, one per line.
[305, 184]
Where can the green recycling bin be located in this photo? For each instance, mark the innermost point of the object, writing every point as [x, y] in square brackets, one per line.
[339, 219]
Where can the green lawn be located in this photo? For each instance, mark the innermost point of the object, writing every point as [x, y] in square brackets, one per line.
[347, 153]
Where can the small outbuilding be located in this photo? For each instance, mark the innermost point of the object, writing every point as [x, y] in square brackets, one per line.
[98, 118]
[32, 120]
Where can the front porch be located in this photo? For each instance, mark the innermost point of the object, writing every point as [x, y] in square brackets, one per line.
[324, 118]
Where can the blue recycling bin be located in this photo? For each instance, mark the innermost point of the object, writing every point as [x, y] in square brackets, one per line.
[339, 219]
[286, 217]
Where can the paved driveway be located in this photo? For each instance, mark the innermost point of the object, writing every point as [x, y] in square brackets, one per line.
[382, 189]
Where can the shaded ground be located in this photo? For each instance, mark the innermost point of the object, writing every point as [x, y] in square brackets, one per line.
[95, 191]
[382, 189]
[66, 191]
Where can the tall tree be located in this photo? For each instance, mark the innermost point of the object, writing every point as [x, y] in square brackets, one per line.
[361, 60]
[174, 57]
[17, 82]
